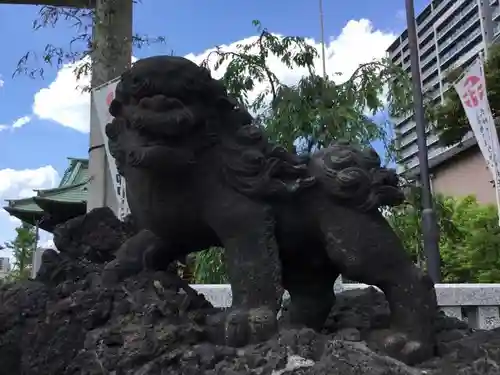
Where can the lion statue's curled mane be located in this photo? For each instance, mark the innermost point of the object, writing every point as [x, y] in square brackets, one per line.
[175, 105]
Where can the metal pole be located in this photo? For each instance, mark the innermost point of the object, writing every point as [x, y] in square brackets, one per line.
[322, 25]
[338, 285]
[429, 225]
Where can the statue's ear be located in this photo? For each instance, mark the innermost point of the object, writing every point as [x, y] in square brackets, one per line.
[115, 108]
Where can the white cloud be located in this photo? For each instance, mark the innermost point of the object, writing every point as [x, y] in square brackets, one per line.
[358, 42]
[20, 184]
[2, 82]
[64, 100]
[18, 123]
[21, 121]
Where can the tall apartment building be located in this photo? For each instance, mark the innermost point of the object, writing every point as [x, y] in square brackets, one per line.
[450, 35]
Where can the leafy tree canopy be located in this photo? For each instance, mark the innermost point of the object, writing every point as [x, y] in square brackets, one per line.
[317, 109]
[449, 118]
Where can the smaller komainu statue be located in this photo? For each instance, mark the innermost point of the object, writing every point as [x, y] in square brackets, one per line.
[199, 173]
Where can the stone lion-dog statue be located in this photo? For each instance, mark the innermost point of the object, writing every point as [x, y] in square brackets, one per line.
[200, 173]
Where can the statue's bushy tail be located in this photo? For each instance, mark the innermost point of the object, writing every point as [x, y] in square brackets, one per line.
[355, 176]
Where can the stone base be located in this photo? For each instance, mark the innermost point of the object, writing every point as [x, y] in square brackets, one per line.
[66, 322]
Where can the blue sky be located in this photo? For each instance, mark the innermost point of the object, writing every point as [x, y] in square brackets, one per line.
[51, 116]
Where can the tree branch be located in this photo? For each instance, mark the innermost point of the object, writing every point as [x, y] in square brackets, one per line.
[55, 3]
[270, 75]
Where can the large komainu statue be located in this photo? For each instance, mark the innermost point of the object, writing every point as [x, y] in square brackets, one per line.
[200, 174]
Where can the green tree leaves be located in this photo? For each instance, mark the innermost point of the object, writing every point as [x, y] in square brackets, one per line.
[22, 247]
[476, 257]
[210, 267]
[469, 237]
[81, 45]
[406, 221]
[316, 110]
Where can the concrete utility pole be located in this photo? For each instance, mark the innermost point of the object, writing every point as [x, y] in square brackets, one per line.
[112, 54]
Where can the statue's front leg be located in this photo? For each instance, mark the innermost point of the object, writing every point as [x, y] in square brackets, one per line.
[246, 229]
[136, 254]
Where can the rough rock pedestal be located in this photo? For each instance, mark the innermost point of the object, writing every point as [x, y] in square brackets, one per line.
[65, 322]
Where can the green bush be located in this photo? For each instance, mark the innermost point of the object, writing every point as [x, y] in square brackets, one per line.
[476, 257]
[469, 237]
[210, 267]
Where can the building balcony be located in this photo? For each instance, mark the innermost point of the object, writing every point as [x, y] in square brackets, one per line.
[411, 138]
[430, 85]
[426, 34]
[433, 13]
[429, 71]
[431, 56]
[456, 19]
[457, 34]
[427, 46]
[410, 150]
[459, 46]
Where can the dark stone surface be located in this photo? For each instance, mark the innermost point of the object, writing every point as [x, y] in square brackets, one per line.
[153, 323]
[199, 173]
[94, 236]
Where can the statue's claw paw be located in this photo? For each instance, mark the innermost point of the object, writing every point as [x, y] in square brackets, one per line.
[263, 324]
[415, 352]
[394, 342]
[399, 346]
[240, 327]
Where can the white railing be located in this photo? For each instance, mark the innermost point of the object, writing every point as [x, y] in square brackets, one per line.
[477, 304]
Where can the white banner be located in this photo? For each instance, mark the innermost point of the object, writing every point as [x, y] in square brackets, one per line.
[471, 89]
[102, 97]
